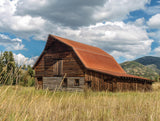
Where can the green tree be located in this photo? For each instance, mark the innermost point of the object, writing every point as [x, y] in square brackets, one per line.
[1, 62]
[7, 67]
[12, 73]
[30, 71]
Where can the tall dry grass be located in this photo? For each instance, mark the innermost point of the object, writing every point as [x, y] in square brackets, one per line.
[19, 103]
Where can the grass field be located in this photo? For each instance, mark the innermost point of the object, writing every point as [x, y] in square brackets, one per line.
[19, 103]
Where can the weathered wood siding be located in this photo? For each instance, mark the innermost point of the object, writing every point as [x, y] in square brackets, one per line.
[57, 61]
[59, 56]
[53, 83]
[100, 81]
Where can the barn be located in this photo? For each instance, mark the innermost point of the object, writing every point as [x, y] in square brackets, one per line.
[69, 65]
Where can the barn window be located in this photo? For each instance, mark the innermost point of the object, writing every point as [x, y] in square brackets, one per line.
[76, 82]
[89, 84]
[65, 82]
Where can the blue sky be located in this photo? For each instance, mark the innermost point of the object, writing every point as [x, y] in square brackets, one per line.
[126, 29]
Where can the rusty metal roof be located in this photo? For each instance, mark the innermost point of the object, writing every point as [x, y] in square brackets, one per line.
[94, 58]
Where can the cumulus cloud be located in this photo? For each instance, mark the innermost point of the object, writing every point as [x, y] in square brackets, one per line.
[22, 60]
[154, 21]
[75, 13]
[11, 44]
[23, 26]
[117, 38]
[79, 20]
[38, 18]
[139, 22]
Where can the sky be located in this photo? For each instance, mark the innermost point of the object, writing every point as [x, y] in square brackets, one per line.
[126, 29]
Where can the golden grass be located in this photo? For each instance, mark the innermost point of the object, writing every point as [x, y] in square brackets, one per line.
[27, 104]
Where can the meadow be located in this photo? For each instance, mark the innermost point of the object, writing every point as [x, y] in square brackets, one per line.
[18, 103]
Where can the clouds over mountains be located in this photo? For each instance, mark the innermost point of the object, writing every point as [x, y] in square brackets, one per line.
[95, 22]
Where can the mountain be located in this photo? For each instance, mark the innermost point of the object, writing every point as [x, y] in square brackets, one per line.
[148, 60]
[148, 71]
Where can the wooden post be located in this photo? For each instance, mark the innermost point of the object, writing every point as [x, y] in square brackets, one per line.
[62, 80]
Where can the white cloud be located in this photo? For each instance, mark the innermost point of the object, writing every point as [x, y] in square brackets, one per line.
[117, 38]
[22, 60]
[118, 10]
[11, 44]
[155, 35]
[152, 10]
[139, 22]
[154, 21]
[25, 23]
[23, 26]
[38, 18]
[157, 51]
[75, 13]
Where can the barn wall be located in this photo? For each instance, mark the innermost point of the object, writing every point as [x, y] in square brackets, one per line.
[71, 65]
[58, 60]
[100, 81]
[39, 69]
[53, 83]
[58, 53]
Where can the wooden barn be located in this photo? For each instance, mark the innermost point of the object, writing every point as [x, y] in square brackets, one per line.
[69, 65]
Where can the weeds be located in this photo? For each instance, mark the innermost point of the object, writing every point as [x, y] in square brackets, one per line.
[26, 103]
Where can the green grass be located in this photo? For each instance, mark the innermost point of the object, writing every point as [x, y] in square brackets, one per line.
[19, 103]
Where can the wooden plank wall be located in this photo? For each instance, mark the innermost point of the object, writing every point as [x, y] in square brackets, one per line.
[105, 82]
[53, 83]
[55, 52]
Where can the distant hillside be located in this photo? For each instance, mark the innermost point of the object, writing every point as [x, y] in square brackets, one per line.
[148, 60]
[138, 69]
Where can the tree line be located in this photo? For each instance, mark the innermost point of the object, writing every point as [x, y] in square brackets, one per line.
[11, 73]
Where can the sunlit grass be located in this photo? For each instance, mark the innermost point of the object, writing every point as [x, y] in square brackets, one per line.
[25, 103]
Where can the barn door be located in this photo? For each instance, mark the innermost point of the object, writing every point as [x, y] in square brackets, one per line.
[53, 66]
[58, 68]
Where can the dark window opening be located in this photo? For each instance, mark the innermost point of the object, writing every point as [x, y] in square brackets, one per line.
[65, 83]
[39, 80]
[89, 84]
[76, 82]
[39, 83]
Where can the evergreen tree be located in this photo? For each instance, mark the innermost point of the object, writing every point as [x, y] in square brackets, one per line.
[12, 73]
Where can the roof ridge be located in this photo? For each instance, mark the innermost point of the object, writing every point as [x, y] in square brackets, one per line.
[75, 41]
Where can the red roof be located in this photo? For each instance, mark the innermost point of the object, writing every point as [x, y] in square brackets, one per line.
[94, 58]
